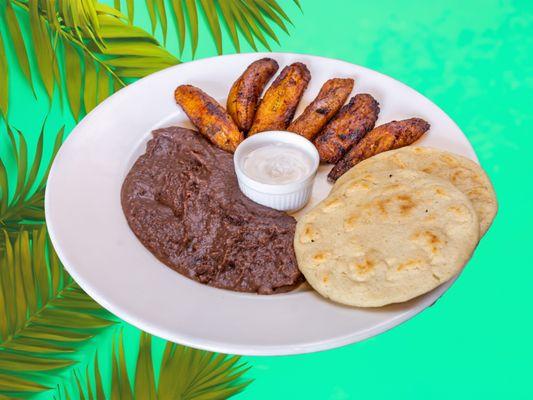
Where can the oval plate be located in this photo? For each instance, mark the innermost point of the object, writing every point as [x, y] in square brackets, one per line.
[93, 240]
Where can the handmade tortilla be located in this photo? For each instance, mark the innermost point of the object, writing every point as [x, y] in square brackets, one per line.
[386, 237]
[462, 172]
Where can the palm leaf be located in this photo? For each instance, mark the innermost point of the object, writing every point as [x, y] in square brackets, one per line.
[77, 16]
[241, 23]
[162, 16]
[261, 22]
[179, 17]
[124, 41]
[251, 17]
[91, 35]
[184, 373]
[4, 91]
[45, 315]
[152, 13]
[21, 385]
[42, 47]
[73, 78]
[121, 385]
[226, 11]
[90, 83]
[210, 12]
[103, 89]
[25, 204]
[18, 41]
[131, 11]
[273, 12]
[144, 373]
[192, 14]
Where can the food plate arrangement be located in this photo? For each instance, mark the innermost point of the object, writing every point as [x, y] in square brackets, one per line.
[149, 180]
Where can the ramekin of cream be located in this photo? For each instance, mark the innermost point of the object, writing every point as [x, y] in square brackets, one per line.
[277, 169]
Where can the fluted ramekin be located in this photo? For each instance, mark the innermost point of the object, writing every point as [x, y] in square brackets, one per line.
[284, 197]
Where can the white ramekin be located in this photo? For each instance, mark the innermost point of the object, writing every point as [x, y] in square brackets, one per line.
[285, 197]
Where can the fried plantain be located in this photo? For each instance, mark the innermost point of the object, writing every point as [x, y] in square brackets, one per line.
[209, 117]
[392, 135]
[347, 128]
[329, 100]
[245, 92]
[276, 109]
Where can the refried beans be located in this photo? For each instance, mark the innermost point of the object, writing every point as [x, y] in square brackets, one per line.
[182, 201]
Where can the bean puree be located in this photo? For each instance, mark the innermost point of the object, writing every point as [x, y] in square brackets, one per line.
[182, 201]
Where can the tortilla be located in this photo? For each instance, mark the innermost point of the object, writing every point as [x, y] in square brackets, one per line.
[386, 237]
[462, 172]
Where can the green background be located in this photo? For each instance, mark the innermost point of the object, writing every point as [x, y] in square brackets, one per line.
[473, 59]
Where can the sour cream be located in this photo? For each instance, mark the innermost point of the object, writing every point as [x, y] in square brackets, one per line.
[276, 169]
[277, 163]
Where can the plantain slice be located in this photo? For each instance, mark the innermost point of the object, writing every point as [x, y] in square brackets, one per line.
[245, 92]
[349, 126]
[276, 109]
[209, 117]
[392, 135]
[329, 100]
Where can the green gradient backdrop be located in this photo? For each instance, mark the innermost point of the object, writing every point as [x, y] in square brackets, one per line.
[472, 58]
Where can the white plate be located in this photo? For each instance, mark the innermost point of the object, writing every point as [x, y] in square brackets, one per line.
[94, 242]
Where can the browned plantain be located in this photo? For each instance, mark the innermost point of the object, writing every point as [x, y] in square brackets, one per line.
[209, 117]
[329, 100]
[276, 109]
[349, 126]
[392, 135]
[245, 92]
